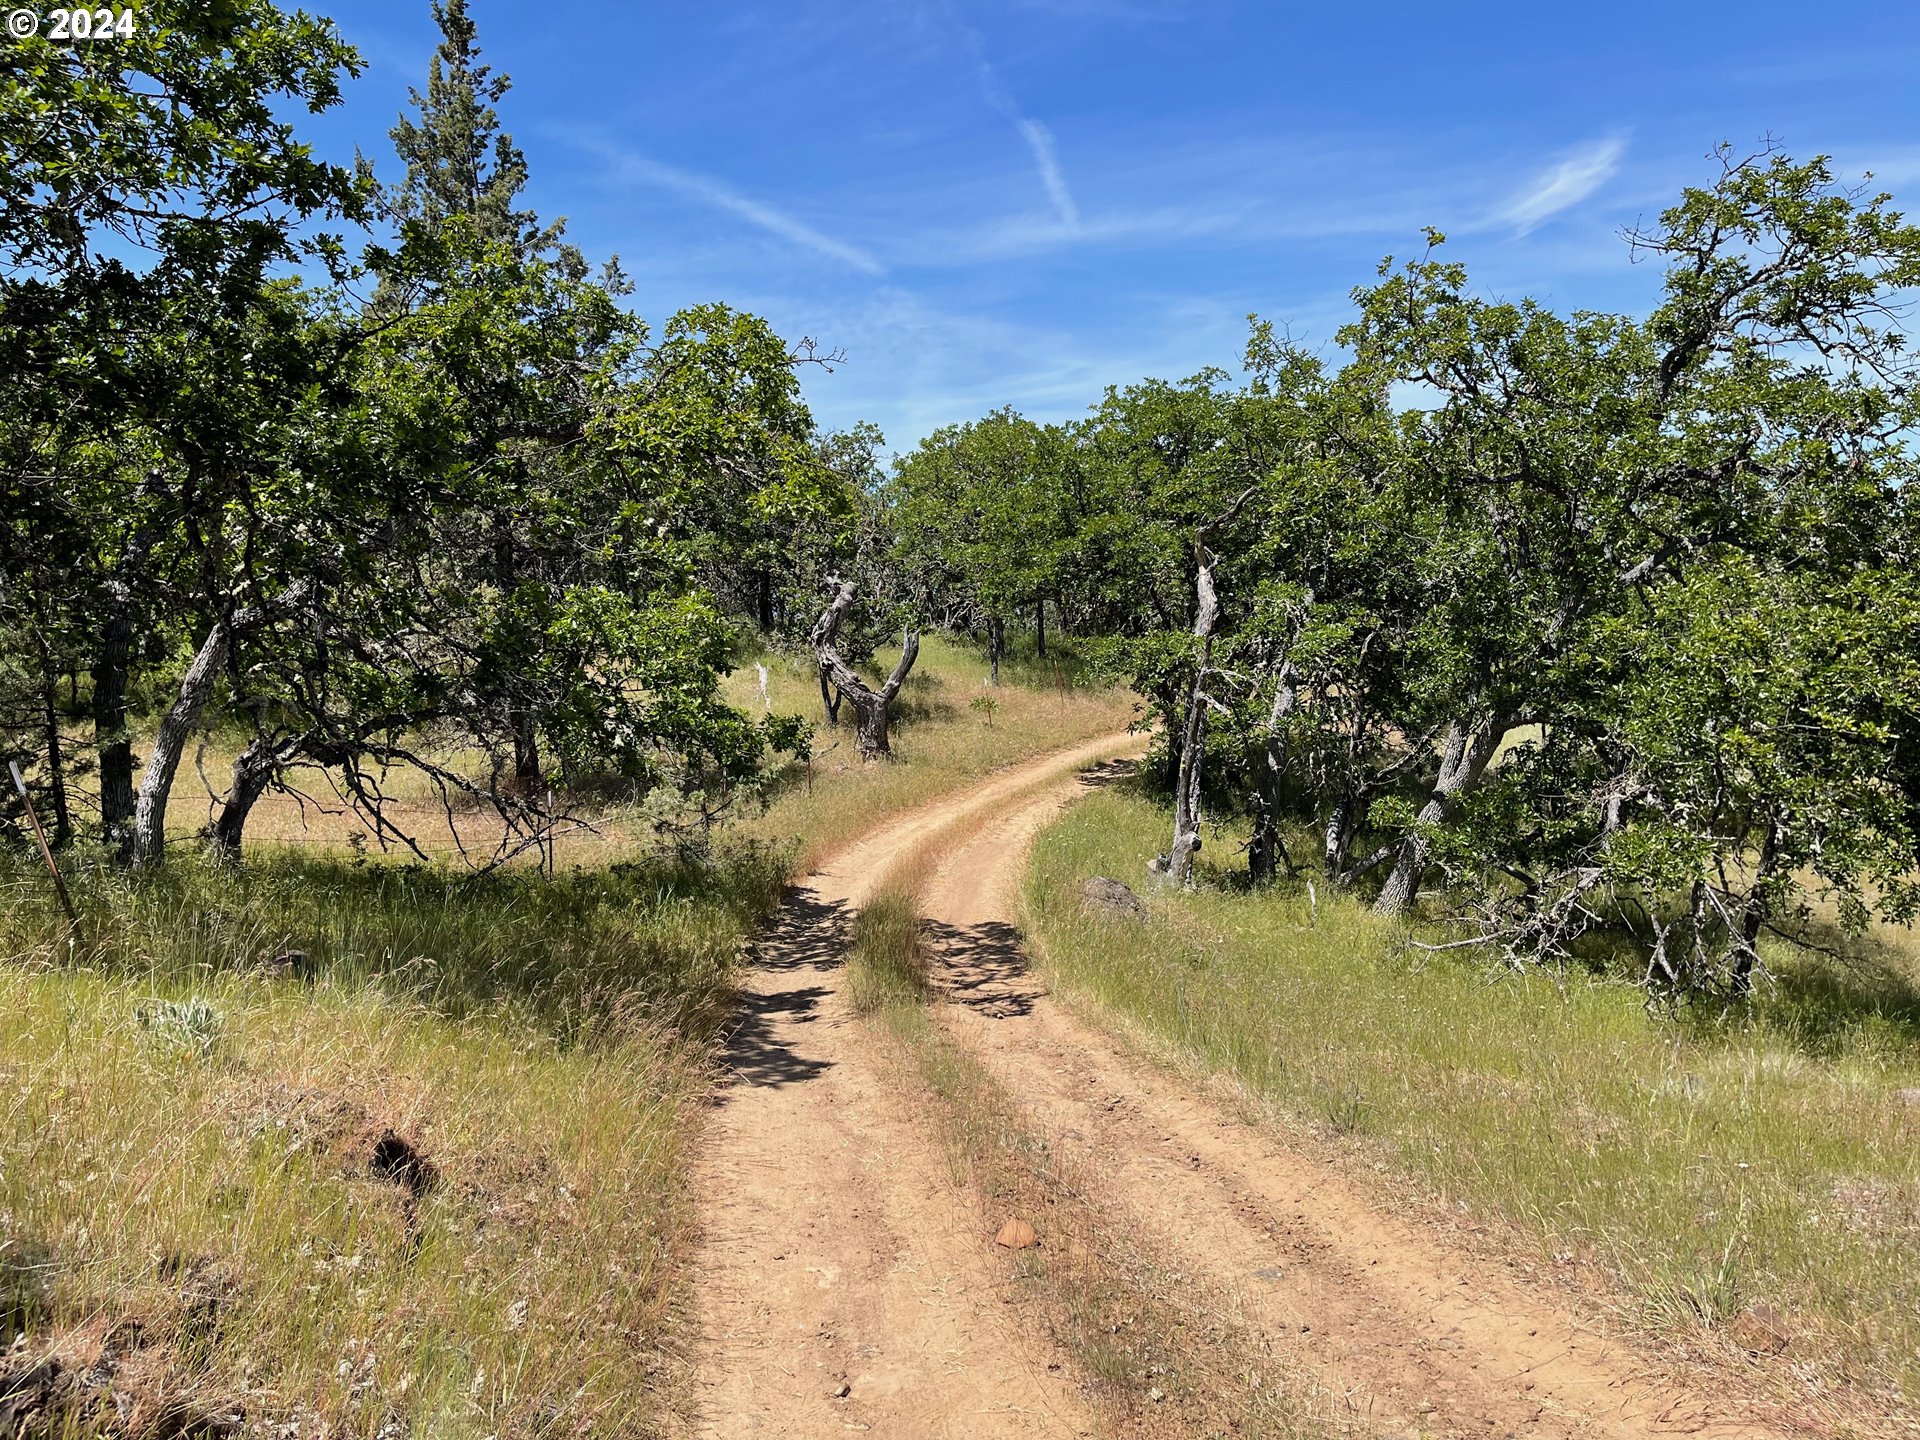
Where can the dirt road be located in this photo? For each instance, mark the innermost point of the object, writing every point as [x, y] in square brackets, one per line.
[1428, 1340]
[843, 1285]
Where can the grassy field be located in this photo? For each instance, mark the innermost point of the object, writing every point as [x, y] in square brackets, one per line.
[357, 1148]
[1693, 1169]
[945, 736]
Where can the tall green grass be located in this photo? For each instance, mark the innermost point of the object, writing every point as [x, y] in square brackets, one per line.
[1706, 1164]
[561, 954]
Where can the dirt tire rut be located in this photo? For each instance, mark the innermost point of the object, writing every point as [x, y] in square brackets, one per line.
[841, 1283]
[1425, 1339]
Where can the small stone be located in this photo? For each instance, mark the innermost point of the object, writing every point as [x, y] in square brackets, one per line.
[841, 1391]
[1017, 1235]
[1109, 898]
[1156, 1394]
[1760, 1330]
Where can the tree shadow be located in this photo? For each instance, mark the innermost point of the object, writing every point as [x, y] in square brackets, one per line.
[754, 1055]
[983, 967]
[1829, 1004]
[809, 934]
[622, 952]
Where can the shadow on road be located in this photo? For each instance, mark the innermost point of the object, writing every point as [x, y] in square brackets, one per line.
[809, 934]
[983, 967]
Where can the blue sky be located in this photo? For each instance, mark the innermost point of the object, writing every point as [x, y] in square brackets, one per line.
[1024, 201]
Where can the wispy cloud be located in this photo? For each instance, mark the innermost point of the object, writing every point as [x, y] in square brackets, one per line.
[1039, 138]
[1040, 141]
[624, 166]
[1014, 237]
[1577, 175]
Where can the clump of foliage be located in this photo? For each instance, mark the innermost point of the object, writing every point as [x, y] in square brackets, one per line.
[1610, 629]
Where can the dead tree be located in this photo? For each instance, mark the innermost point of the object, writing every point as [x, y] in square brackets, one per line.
[870, 706]
[1193, 739]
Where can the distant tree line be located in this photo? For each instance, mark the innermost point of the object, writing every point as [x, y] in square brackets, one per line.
[1599, 624]
[1591, 624]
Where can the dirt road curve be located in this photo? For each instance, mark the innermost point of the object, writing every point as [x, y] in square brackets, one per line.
[841, 1283]
[1431, 1341]
[843, 1286]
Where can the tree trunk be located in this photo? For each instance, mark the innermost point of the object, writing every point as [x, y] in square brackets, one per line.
[156, 785]
[1461, 765]
[870, 707]
[765, 600]
[1338, 837]
[1040, 628]
[526, 755]
[56, 762]
[110, 733]
[996, 647]
[1265, 849]
[1193, 739]
[829, 698]
[871, 730]
[1186, 795]
[253, 770]
[1748, 953]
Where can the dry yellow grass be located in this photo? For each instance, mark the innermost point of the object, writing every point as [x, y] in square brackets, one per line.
[1701, 1166]
[197, 1214]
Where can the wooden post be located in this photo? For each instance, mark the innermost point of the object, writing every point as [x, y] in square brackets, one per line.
[46, 854]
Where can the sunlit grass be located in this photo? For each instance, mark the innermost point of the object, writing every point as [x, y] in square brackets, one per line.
[940, 741]
[216, 1180]
[1706, 1165]
[194, 1080]
[221, 1204]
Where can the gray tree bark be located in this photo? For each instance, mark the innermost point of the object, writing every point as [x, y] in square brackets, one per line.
[1264, 849]
[871, 707]
[156, 784]
[1193, 739]
[1462, 763]
[996, 647]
